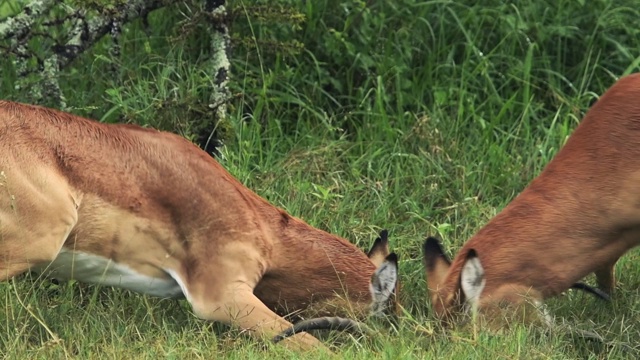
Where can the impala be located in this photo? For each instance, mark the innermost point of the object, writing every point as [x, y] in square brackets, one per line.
[579, 216]
[145, 210]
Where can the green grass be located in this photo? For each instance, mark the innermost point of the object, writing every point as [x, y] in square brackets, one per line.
[429, 129]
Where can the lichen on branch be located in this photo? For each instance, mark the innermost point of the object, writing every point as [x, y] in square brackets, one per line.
[220, 42]
[46, 36]
[81, 28]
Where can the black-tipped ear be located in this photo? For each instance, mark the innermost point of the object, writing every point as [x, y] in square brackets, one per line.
[383, 284]
[380, 249]
[472, 279]
[436, 269]
[392, 258]
[432, 251]
[384, 235]
[472, 254]
[381, 242]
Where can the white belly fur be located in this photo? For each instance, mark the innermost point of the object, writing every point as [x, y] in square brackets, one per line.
[93, 269]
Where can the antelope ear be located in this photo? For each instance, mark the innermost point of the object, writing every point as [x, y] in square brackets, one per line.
[436, 263]
[379, 249]
[472, 280]
[383, 284]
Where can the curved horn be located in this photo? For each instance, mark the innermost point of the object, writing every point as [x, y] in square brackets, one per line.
[324, 323]
[597, 292]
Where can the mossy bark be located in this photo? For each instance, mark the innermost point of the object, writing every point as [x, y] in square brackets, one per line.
[219, 65]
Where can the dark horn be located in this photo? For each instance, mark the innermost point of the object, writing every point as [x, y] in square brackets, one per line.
[324, 323]
[597, 292]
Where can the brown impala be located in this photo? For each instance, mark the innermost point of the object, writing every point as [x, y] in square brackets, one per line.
[579, 216]
[148, 211]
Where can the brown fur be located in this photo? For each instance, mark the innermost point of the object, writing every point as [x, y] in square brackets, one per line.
[153, 201]
[577, 217]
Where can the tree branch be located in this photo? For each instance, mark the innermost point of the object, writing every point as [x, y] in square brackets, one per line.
[18, 26]
[220, 43]
[89, 30]
[83, 27]
[84, 31]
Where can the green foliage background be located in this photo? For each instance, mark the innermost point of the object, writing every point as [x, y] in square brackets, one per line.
[423, 117]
